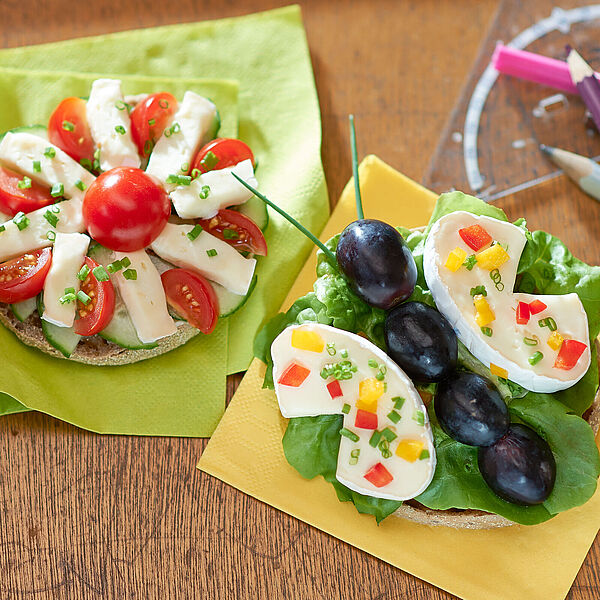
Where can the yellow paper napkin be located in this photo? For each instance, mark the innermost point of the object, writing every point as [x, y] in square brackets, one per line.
[520, 563]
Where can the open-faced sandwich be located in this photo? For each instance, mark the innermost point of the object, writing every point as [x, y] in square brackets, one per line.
[123, 230]
[446, 375]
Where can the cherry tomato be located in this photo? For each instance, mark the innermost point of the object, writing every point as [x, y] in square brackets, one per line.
[192, 297]
[96, 315]
[125, 209]
[14, 199]
[149, 119]
[237, 230]
[68, 129]
[227, 152]
[23, 277]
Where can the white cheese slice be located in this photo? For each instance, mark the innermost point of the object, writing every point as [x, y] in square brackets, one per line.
[192, 121]
[110, 125]
[220, 188]
[68, 256]
[505, 348]
[145, 298]
[312, 398]
[227, 267]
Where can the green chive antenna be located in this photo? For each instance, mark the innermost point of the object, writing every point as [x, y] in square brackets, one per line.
[359, 208]
[291, 219]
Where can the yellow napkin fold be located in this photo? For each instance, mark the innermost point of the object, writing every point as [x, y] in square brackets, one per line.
[520, 563]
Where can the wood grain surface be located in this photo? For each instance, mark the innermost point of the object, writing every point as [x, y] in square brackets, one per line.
[88, 516]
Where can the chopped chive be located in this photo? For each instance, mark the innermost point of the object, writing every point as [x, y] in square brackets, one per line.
[175, 128]
[163, 103]
[212, 252]
[346, 409]
[330, 347]
[83, 297]
[51, 235]
[394, 417]
[120, 105]
[388, 434]
[86, 163]
[530, 341]
[551, 323]
[185, 167]
[55, 208]
[398, 402]
[195, 232]
[51, 218]
[349, 434]
[195, 173]
[204, 192]
[2, 228]
[384, 447]
[120, 129]
[380, 376]
[21, 220]
[324, 373]
[148, 146]
[419, 417]
[25, 183]
[67, 298]
[37, 166]
[115, 266]
[100, 273]
[68, 126]
[470, 262]
[83, 273]
[374, 440]
[179, 179]
[487, 331]
[478, 291]
[58, 189]
[344, 353]
[424, 454]
[230, 234]
[354, 456]
[210, 161]
[50, 152]
[80, 185]
[386, 453]
[373, 363]
[70, 290]
[151, 122]
[125, 262]
[130, 274]
[535, 358]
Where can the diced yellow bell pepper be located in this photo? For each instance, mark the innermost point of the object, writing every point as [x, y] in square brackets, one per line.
[304, 339]
[498, 371]
[455, 259]
[409, 449]
[485, 315]
[369, 392]
[555, 340]
[492, 258]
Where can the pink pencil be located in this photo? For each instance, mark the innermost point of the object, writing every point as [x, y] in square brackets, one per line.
[534, 67]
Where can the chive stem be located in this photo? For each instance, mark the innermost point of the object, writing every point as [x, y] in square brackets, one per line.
[359, 208]
[314, 239]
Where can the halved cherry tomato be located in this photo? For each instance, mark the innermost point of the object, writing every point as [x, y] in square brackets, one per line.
[150, 118]
[225, 152]
[68, 129]
[536, 306]
[14, 199]
[378, 475]
[569, 353]
[23, 277]
[96, 315]
[335, 389]
[475, 236]
[192, 297]
[294, 375]
[365, 419]
[523, 313]
[237, 230]
[125, 209]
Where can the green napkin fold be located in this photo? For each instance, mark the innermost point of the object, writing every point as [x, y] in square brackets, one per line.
[278, 117]
[181, 393]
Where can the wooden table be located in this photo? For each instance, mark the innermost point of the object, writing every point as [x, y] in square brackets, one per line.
[88, 516]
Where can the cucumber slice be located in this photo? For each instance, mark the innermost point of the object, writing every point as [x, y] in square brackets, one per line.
[23, 310]
[256, 210]
[229, 302]
[39, 130]
[64, 339]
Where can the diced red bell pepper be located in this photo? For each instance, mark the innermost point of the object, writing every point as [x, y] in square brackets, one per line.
[294, 375]
[365, 419]
[335, 389]
[569, 354]
[475, 236]
[537, 306]
[378, 475]
[523, 313]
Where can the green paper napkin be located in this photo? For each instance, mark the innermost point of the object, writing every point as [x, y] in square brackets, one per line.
[181, 393]
[279, 118]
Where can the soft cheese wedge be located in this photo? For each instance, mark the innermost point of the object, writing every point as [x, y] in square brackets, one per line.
[540, 342]
[214, 190]
[110, 125]
[181, 140]
[210, 256]
[68, 255]
[386, 447]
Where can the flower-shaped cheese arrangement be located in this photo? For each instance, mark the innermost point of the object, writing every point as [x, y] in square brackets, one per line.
[386, 447]
[470, 265]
